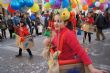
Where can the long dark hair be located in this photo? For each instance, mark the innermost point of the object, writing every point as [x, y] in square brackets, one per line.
[69, 25]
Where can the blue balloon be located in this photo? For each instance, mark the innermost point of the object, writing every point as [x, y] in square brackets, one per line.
[33, 17]
[109, 5]
[65, 3]
[29, 3]
[22, 3]
[15, 4]
[52, 2]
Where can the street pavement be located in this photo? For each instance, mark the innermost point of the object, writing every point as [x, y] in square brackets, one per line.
[98, 51]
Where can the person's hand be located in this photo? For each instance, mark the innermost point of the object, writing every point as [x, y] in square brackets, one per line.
[49, 28]
[98, 71]
[80, 16]
[92, 69]
[46, 42]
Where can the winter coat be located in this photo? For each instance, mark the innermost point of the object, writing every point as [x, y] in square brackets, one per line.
[100, 22]
[70, 47]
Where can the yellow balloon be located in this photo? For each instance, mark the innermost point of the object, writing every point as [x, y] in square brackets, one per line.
[47, 5]
[35, 8]
[101, 1]
[78, 1]
[73, 1]
[93, 0]
[5, 5]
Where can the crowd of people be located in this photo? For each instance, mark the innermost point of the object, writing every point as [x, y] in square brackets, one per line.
[24, 24]
[45, 19]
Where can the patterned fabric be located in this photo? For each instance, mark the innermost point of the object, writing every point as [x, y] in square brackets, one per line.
[88, 28]
[27, 43]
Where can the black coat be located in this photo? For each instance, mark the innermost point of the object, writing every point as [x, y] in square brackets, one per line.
[101, 22]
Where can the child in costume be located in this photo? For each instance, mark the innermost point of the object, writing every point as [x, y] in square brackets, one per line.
[89, 21]
[22, 35]
[65, 48]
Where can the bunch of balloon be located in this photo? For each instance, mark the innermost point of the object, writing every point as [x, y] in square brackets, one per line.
[18, 4]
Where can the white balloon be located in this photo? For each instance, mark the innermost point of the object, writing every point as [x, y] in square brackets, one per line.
[97, 4]
[105, 6]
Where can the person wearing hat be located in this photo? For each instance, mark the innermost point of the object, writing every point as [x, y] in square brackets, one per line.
[67, 45]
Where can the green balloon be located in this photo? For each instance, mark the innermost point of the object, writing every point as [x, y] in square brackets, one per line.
[69, 8]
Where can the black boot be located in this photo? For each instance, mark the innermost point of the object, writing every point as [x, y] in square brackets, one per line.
[20, 53]
[30, 53]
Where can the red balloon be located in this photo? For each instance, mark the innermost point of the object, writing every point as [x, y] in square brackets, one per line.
[47, 0]
[10, 9]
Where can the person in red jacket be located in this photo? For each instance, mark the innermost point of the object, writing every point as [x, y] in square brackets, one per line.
[70, 47]
[89, 20]
[51, 22]
[22, 33]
